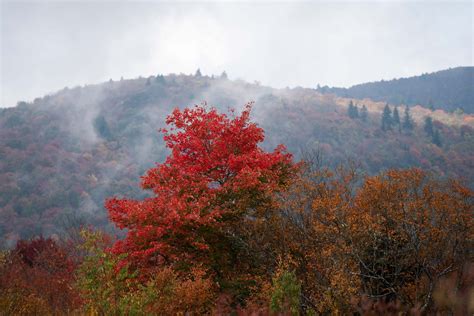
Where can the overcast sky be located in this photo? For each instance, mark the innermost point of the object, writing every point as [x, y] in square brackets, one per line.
[46, 46]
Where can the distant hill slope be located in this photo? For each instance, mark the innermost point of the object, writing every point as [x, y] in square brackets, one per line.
[448, 90]
[63, 154]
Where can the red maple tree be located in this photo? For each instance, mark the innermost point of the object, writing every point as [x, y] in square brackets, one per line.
[215, 174]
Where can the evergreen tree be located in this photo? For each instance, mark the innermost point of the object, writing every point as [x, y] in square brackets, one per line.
[407, 120]
[364, 114]
[387, 120]
[459, 111]
[396, 119]
[350, 109]
[430, 105]
[102, 128]
[428, 126]
[198, 73]
[436, 139]
[224, 75]
[160, 79]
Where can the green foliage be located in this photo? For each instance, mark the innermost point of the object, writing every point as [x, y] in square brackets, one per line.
[102, 128]
[364, 114]
[160, 79]
[396, 119]
[387, 119]
[436, 138]
[107, 288]
[458, 111]
[407, 120]
[286, 293]
[428, 127]
[353, 110]
[432, 132]
[103, 290]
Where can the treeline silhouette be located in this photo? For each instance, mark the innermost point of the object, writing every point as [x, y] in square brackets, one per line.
[449, 90]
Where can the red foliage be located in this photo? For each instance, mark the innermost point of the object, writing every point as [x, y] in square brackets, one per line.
[38, 277]
[214, 172]
[28, 251]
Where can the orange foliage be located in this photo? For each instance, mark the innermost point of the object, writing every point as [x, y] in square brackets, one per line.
[383, 240]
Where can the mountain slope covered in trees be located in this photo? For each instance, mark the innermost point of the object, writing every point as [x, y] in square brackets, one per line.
[449, 90]
[63, 154]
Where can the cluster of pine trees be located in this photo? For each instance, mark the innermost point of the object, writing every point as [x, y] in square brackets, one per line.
[392, 120]
[354, 113]
[432, 131]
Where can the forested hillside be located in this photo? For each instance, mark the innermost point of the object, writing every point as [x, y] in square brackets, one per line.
[63, 154]
[450, 90]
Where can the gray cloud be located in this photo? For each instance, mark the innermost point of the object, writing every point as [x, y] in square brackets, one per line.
[48, 45]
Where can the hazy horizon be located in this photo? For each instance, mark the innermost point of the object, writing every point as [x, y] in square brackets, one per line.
[46, 46]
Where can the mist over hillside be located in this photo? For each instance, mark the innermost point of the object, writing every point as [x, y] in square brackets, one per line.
[449, 90]
[63, 154]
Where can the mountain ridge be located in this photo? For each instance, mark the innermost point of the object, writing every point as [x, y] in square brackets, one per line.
[63, 154]
[450, 90]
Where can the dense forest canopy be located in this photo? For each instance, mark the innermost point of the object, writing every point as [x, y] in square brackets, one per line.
[189, 158]
[449, 90]
[231, 228]
[63, 154]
